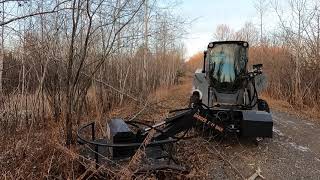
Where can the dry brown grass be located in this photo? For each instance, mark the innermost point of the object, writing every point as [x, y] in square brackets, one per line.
[300, 111]
[35, 153]
[39, 151]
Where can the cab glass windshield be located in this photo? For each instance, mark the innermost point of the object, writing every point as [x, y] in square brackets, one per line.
[227, 62]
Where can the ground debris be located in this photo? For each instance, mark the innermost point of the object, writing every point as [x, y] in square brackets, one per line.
[256, 175]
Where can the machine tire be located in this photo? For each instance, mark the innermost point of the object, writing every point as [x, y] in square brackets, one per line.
[263, 105]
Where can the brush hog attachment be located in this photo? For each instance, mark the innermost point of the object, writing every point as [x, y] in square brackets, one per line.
[125, 138]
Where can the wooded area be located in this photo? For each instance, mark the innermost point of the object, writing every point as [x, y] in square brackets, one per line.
[65, 62]
[62, 60]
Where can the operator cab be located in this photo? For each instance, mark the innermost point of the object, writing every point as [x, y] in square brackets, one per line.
[223, 78]
[226, 62]
[229, 90]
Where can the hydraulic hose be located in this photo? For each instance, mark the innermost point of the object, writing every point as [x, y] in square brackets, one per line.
[255, 95]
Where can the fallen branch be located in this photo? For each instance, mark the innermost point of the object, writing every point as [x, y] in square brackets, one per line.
[160, 167]
[50, 164]
[113, 88]
[128, 172]
[138, 113]
[225, 160]
[256, 174]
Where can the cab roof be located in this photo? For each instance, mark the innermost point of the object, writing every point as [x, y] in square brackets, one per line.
[243, 43]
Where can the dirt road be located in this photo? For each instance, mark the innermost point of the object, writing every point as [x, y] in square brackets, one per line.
[293, 152]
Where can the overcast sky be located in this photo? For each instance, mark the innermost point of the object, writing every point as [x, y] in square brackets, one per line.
[207, 14]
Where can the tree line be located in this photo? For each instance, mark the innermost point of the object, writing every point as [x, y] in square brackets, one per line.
[61, 60]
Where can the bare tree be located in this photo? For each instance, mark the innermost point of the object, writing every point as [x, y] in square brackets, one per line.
[248, 33]
[70, 47]
[2, 47]
[261, 7]
[223, 33]
[145, 52]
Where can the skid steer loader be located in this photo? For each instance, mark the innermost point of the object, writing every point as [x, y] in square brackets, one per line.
[230, 90]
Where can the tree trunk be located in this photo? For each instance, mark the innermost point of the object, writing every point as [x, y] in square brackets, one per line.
[145, 52]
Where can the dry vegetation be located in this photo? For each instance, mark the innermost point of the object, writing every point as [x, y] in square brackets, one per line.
[66, 62]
